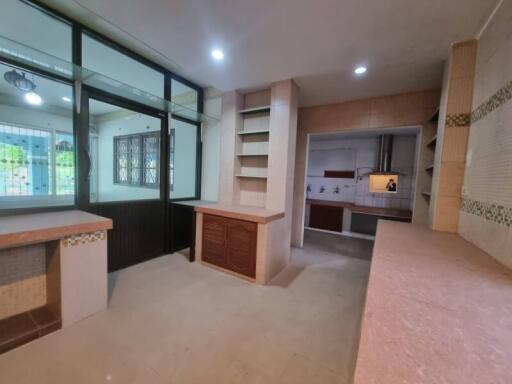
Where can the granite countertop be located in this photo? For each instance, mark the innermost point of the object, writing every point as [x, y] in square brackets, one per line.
[388, 212]
[240, 212]
[438, 310]
[41, 227]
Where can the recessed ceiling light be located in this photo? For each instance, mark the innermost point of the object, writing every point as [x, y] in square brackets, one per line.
[66, 99]
[33, 98]
[360, 70]
[217, 54]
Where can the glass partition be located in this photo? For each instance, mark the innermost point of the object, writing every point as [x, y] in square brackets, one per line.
[25, 24]
[184, 95]
[182, 159]
[37, 146]
[124, 149]
[108, 61]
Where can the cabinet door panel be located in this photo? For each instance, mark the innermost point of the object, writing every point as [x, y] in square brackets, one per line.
[241, 247]
[326, 217]
[214, 240]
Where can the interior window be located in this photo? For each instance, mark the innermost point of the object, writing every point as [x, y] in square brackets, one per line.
[184, 95]
[28, 25]
[124, 149]
[137, 159]
[183, 159]
[37, 147]
[108, 61]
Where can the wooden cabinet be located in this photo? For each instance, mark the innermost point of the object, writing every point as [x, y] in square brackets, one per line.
[326, 217]
[230, 244]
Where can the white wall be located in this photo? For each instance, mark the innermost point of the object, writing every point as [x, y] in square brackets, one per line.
[210, 169]
[366, 158]
[119, 126]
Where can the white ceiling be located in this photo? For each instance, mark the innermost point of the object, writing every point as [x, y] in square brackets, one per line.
[318, 43]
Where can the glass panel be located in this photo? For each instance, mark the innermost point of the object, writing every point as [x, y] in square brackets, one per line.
[23, 54]
[28, 25]
[184, 96]
[37, 151]
[183, 152]
[127, 145]
[107, 61]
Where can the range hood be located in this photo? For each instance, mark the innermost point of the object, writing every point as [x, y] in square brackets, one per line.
[385, 155]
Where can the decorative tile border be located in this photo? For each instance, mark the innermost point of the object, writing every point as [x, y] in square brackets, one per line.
[495, 101]
[489, 211]
[84, 238]
[460, 120]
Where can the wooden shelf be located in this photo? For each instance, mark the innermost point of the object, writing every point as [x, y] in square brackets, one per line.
[255, 132]
[248, 176]
[251, 154]
[264, 108]
[432, 142]
[430, 167]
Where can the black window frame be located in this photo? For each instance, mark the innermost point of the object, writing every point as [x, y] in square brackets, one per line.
[141, 183]
[76, 46]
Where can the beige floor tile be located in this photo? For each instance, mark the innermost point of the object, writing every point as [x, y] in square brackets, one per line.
[171, 321]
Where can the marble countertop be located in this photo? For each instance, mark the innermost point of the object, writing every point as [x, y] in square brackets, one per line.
[388, 212]
[438, 310]
[41, 227]
[258, 215]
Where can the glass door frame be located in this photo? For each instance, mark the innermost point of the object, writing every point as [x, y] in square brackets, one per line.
[84, 162]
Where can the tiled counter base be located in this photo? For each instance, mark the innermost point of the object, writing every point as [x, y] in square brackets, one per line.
[438, 310]
[51, 273]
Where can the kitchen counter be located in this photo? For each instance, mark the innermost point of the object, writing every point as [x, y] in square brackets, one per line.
[239, 212]
[438, 310]
[388, 212]
[42, 227]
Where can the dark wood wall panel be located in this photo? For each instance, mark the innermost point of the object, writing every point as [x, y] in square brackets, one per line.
[138, 234]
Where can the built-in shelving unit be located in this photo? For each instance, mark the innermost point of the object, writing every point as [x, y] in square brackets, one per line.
[425, 170]
[264, 108]
[253, 148]
[255, 132]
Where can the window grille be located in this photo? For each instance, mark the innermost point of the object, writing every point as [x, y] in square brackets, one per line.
[137, 159]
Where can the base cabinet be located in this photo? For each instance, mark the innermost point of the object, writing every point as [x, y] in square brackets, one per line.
[230, 244]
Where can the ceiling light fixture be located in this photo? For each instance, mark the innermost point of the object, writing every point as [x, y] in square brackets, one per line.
[33, 98]
[20, 81]
[360, 70]
[66, 99]
[218, 55]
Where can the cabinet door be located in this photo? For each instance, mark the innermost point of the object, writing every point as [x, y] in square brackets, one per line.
[214, 240]
[326, 217]
[241, 247]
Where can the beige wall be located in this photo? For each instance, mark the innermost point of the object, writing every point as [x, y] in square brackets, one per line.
[486, 212]
[452, 134]
[380, 112]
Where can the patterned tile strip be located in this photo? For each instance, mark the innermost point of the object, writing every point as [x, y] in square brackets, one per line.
[460, 120]
[489, 211]
[494, 102]
[84, 238]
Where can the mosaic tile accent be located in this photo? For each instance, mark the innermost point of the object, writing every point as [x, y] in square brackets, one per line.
[489, 211]
[460, 120]
[84, 238]
[494, 102]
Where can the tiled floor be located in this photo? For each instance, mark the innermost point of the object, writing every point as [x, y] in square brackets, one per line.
[170, 321]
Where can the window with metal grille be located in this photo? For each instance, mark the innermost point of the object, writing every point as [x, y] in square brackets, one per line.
[137, 159]
[36, 162]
